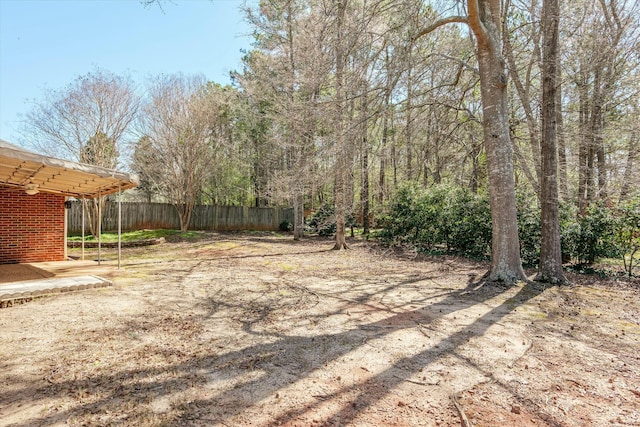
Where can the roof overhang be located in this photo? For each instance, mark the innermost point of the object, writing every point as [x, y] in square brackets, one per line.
[27, 170]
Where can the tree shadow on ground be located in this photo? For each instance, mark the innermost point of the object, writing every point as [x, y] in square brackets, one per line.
[275, 368]
[368, 394]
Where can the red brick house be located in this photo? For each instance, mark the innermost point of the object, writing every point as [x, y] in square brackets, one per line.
[33, 191]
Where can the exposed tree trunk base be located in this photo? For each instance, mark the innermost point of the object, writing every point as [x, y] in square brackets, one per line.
[338, 246]
[298, 216]
[553, 279]
[506, 276]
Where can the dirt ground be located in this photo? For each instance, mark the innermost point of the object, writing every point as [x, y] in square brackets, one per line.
[259, 330]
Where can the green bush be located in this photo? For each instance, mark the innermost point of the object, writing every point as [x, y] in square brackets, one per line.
[466, 223]
[411, 217]
[454, 220]
[584, 237]
[592, 235]
[323, 221]
[529, 233]
[568, 213]
[627, 233]
[440, 218]
[285, 226]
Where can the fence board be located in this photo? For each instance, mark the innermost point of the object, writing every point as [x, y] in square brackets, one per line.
[140, 215]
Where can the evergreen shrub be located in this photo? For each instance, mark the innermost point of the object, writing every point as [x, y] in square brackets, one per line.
[441, 218]
[323, 221]
[592, 234]
[529, 222]
[285, 226]
[450, 219]
[627, 234]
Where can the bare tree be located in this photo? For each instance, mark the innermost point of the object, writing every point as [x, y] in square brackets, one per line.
[143, 163]
[99, 104]
[631, 170]
[340, 191]
[602, 69]
[525, 37]
[285, 74]
[180, 123]
[87, 121]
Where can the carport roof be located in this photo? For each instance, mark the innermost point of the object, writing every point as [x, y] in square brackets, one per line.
[20, 168]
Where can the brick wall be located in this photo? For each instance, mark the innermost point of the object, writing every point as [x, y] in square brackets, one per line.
[31, 227]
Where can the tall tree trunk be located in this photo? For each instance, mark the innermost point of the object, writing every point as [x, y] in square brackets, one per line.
[381, 174]
[394, 162]
[583, 150]
[437, 164]
[364, 152]
[476, 148]
[632, 154]
[596, 141]
[259, 178]
[94, 210]
[562, 147]
[602, 166]
[409, 118]
[610, 75]
[298, 215]
[383, 153]
[364, 195]
[525, 99]
[426, 151]
[591, 194]
[484, 20]
[184, 213]
[385, 131]
[550, 268]
[297, 148]
[341, 164]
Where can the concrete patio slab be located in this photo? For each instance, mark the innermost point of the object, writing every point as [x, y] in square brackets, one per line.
[20, 281]
[32, 288]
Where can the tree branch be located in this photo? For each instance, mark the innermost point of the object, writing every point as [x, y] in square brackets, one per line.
[476, 23]
[440, 23]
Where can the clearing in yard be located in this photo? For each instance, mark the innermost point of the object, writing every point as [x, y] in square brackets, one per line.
[259, 330]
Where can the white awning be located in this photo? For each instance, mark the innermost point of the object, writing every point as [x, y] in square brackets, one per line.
[31, 171]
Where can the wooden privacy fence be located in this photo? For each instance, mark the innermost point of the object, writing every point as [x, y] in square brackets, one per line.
[138, 216]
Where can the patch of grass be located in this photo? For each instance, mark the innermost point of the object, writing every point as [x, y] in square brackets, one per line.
[265, 233]
[132, 236]
[286, 267]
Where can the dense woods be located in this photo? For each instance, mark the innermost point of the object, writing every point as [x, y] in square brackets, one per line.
[529, 105]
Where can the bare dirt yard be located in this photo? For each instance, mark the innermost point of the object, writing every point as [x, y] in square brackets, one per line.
[259, 330]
